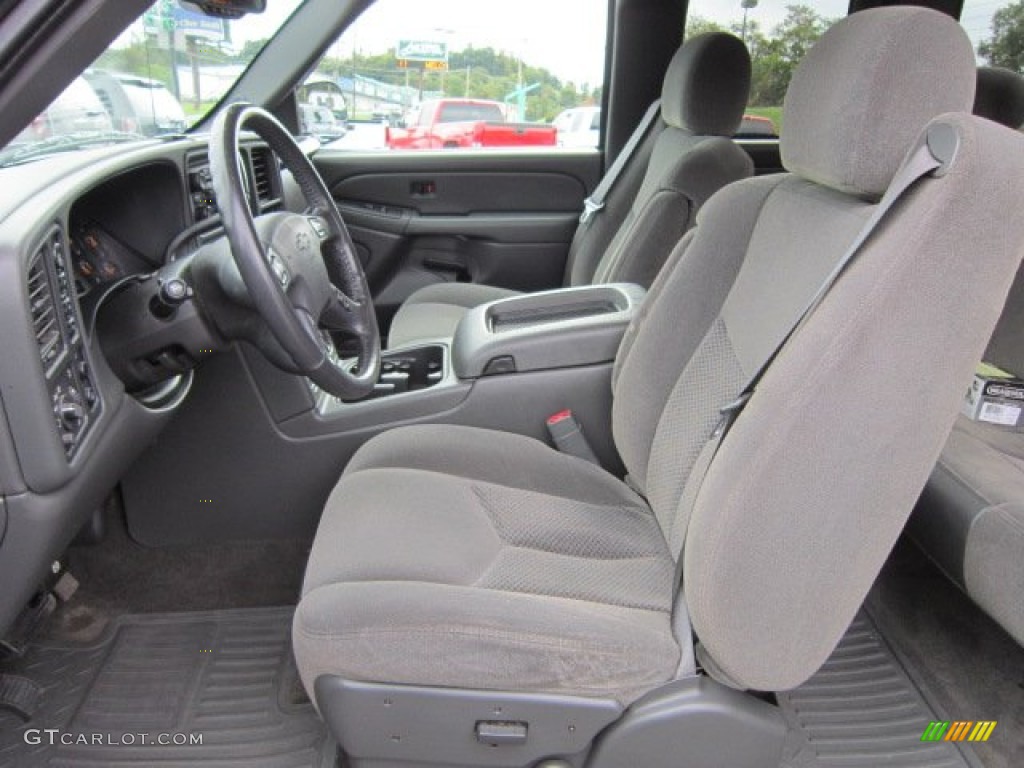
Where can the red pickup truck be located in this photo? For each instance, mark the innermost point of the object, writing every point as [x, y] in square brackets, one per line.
[450, 123]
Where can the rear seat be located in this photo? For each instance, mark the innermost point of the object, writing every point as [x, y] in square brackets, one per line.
[970, 518]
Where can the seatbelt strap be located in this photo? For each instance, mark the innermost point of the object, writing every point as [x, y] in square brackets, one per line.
[933, 156]
[595, 203]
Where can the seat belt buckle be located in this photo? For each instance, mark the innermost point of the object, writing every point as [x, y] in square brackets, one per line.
[727, 414]
[590, 208]
[567, 435]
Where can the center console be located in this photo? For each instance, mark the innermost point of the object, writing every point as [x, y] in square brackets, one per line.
[401, 371]
[565, 328]
[541, 331]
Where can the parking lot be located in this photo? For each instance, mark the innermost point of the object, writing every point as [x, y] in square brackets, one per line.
[362, 136]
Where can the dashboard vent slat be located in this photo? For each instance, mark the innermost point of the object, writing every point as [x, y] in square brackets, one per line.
[44, 314]
[261, 175]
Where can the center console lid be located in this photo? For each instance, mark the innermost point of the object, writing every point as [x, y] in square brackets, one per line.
[553, 329]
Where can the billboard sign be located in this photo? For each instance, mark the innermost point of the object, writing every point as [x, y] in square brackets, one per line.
[421, 50]
[167, 16]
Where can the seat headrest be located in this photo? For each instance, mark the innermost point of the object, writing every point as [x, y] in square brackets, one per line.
[706, 85]
[866, 89]
[1000, 96]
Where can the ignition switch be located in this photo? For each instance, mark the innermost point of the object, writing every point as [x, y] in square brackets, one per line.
[172, 293]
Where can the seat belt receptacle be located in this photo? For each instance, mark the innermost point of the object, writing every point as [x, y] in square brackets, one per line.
[567, 435]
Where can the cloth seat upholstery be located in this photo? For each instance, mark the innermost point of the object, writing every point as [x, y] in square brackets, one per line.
[801, 504]
[524, 568]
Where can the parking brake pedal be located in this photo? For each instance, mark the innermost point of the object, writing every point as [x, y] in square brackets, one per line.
[28, 622]
[20, 695]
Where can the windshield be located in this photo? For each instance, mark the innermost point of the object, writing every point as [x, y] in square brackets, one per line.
[161, 76]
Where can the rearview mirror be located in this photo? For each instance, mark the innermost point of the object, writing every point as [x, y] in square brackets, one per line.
[225, 9]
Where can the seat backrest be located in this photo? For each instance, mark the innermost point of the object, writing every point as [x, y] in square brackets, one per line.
[812, 485]
[999, 96]
[688, 156]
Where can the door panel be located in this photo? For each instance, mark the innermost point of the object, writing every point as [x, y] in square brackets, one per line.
[498, 218]
[452, 192]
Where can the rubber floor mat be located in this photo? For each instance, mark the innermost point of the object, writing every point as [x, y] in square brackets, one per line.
[861, 710]
[225, 678]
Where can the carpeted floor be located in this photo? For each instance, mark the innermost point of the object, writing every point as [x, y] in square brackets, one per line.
[118, 577]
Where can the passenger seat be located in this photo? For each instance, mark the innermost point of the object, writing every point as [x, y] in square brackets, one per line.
[687, 158]
[970, 518]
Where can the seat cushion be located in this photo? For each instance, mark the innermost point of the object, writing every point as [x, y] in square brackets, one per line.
[970, 519]
[434, 312]
[539, 573]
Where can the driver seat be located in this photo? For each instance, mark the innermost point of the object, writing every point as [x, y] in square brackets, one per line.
[474, 596]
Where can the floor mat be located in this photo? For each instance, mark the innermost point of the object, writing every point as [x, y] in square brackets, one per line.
[225, 677]
[958, 656]
[861, 710]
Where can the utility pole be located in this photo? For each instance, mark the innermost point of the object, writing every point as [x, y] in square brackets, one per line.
[746, 5]
[192, 46]
[519, 89]
[167, 12]
[469, 71]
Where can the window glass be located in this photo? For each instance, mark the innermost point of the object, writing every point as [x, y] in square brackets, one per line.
[996, 27]
[162, 75]
[778, 34]
[467, 74]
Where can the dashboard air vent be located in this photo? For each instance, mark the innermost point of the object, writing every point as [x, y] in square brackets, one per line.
[45, 324]
[262, 166]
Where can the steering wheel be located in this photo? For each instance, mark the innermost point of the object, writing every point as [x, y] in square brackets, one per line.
[300, 270]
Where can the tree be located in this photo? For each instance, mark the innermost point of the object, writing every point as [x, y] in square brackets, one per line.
[1006, 46]
[800, 30]
[774, 55]
[698, 25]
[250, 49]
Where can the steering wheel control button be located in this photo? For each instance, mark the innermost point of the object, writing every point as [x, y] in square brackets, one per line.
[279, 269]
[319, 227]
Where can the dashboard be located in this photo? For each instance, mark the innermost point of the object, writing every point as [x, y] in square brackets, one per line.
[148, 215]
[74, 228]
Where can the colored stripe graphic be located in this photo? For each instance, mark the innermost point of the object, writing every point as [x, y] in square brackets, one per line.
[935, 731]
[982, 731]
[959, 730]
